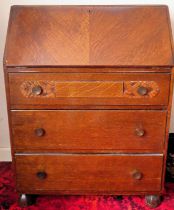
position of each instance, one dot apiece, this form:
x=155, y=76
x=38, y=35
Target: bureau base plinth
x=151, y=201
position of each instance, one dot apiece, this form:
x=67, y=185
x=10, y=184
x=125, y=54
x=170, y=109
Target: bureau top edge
x=114, y=36
x=86, y=69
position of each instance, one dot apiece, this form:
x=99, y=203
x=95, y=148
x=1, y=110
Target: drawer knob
x=39, y=132
x=41, y=175
x=142, y=91
x=137, y=175
x=37, y=90
x=139, y=132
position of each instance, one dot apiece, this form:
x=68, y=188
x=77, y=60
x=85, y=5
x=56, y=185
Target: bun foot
x=152, y=201
x=25, y=200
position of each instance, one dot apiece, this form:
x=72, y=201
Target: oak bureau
x=89, y=91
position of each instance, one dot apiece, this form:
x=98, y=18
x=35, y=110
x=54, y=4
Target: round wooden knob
x=39, y=132
x=137, y=175
x=37, y=90
x=142, y=91
x=41, y=175
x=139, y=132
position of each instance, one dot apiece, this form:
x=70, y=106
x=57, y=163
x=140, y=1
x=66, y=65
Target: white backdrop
x=4, y=14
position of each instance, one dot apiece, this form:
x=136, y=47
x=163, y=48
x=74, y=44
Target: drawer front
x=88, y=130
x=28, y=90
x=88, y=173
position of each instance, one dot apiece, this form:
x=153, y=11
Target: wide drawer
x=41, y=90
x=88, y=173
x=94, y=130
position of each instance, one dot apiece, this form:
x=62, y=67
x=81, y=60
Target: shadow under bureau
x=89, y=92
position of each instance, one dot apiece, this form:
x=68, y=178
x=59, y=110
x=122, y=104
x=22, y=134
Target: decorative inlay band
x=48, y=88
x=131, y=87
x=53, y=89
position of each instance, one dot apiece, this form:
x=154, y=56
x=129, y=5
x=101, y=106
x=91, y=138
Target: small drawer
x=87, y=174
x=53, y=90
x=94, y=130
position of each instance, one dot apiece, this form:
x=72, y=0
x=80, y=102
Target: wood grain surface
x=78, y=89
x=88, y=173
x=95, y=130
x=89, y=36
x=89, y=94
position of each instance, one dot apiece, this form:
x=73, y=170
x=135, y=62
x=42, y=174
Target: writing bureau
x=89, y=92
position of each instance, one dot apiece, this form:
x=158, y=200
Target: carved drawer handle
x=41, y=175
x=139, y=132
x=37, y=90
x=142, y=91
x=39, y=132
x=137, y=175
